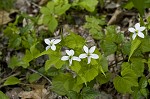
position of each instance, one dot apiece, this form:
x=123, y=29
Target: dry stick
x=40, y=74
x=116, y=17
x=16, y=74
x=148, y=76
x=112, y=65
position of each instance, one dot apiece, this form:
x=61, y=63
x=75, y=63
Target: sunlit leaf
x=89, y=5
x=135, y=44
x=12, y=81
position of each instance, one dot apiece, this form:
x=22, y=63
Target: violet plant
x=76, y=73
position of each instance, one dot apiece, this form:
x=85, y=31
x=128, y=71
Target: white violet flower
x=51, y=43
x=70, y=57
x=89, y=53
x=137, y=31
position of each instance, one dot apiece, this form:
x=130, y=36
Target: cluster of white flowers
x=70, y=53
x=137, y=31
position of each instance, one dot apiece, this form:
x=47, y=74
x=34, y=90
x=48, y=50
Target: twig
x=148, y=76
x=40, y=74
x=115, y=63
x=16, y=74
x=116, y=17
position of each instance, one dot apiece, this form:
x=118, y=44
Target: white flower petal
x=71, y=52
x=53, y=47
x=92, y=49
x=140, y=34
x=64, y=58
x=137, y=26
x=141, y=28
x=48, y=47
x=68, y=52
x=131, y=30
x=76, y=58
x=70, y=62
x=86, y=49
x=89, y=60
x=82, y=55
x=56, y=41
x=95, y=56
x=134, y=36
x=47, y=41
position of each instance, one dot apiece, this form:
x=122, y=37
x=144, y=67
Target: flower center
x=88, y=54
x=136, y=31
x=51, y=43
x=70, y=57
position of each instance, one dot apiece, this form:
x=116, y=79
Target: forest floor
x=115, y=15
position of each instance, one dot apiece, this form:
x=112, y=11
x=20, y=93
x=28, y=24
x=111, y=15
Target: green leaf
x=15, y=62
x=104, y=64
x=129, y=5
x=49, y=9
x=138, y=66
x=74, y=41
x=45, y=11
x=88, y=93
x=6, y=5
x=126, y=48
x=72, y=95
x=128, y=78
x=12, y=81
x=143, y=82
x=46, y=19
x=89, y=5
x=15, y=42
x=134, y=45
x=34, y=51
x=85, y=74
x=93, y=24
x=119, y=38
x=63, y=83
x=145, y=44
x=137, y=94
x=28, y=56
x=108, y=47
x=53, y=23
x=76, y=66
x=34, y=77
x=54, y=61
x=144, y=92
x=88, y=73
x=102, y=79
x=139, y=4
x=3, y=96
x=52, y=71
x=50, y=6
x=60, y=2
x=149, y=64
x=111, y=33
x=59, y=10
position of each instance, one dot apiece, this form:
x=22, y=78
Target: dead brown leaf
x=4, y=17
x=39, y=92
